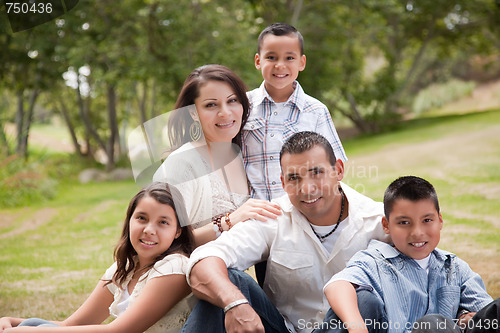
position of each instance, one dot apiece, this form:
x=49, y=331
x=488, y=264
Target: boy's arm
x=326, y=128
x=344, y=302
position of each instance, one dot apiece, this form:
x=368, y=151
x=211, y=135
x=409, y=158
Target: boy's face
x=311, y=183
x=280, y=61
x=414, y=226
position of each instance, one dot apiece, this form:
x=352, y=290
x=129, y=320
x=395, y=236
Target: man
x=324, y=222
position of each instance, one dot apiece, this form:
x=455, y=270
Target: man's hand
x=243, y=319
x=463, y=320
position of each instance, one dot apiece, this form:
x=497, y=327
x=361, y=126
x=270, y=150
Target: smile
x=147, y=242
x=311, y=201
x=226, y=124
x=418, y=244
x=281, y=75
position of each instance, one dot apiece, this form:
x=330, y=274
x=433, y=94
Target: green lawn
x=52, y=254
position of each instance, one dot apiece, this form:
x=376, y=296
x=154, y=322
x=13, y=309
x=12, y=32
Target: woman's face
x=219, y=111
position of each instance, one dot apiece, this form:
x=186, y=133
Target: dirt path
x=38, y=219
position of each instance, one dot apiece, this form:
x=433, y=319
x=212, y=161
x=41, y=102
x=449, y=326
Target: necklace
x=322, y=238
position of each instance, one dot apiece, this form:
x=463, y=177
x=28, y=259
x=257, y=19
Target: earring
x=195, y=131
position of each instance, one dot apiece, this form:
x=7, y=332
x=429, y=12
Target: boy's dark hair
x=184, y=244
x=410, y=188
x=304, y=141
x=280, y=29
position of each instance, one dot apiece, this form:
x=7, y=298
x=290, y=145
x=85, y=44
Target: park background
x=413, y=88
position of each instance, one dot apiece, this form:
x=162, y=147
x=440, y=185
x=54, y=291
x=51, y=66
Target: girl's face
x=219, y=111
x=153, y=228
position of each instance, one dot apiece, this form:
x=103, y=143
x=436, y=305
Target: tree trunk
x=71, y=129
x=19, y=120
x=113, y=126
x=84, y=111
x=141, y=100
x=24, y=122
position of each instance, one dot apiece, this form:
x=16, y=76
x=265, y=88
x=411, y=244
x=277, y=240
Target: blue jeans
x=37, y=322
x=372, y=310
x=486, y=320
x=207, y=317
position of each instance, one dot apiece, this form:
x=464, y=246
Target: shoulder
x=367, y=206
x=256, y=95
x=175, y=263
x=308, y=103
x=110, y=271
x=185, y=163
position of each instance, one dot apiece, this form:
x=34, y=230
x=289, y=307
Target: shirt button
x=272, y=135
x=274, y=183
x=252, y=126
x=275, y=113
x=271, y=158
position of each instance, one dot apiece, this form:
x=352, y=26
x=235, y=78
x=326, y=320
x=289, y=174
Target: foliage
x=437, y=95
x=23, y=183
x=106, y=67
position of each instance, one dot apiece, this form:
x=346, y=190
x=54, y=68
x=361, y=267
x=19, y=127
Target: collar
x=298, y=97
x=388, y=251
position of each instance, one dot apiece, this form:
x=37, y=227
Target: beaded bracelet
x=228, y=221
x=218, y=225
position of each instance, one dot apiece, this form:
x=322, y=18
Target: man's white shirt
x=298, y=265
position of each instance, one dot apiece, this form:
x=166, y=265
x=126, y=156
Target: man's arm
x=210, y=282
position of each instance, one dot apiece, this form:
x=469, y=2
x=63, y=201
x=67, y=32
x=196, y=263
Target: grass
x=53, y=253
x=460, y=155
x=55, y=265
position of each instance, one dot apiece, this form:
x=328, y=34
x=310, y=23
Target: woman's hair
x=125, y=252
x=180, y=120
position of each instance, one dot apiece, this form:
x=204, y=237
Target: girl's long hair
x=124, y=251
x=180, y=122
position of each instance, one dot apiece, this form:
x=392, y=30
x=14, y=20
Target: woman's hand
x=4, y=323
x=257, y=209
x=9, y=322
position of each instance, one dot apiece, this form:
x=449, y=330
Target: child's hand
x=464, y=319
x=255, y=209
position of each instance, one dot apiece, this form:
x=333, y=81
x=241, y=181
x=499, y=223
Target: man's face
x=311, y=183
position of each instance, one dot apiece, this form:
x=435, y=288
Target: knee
x=239, y=278
x=36, y=322
x=367, y=299
x=433, y=323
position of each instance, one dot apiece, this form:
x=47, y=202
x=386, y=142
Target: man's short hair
x=409, y=188
x=304, y=141
x=280, y=29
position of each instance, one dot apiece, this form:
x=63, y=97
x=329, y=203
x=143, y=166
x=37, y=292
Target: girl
x=146, y=288
x=211, y=110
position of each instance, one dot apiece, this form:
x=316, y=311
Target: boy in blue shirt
x=419, y=287
x=280, y=108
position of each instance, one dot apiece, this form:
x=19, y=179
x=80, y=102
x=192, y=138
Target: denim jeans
x=37, y=322
x=207, y=317
x=372, y=310
x=487, y=320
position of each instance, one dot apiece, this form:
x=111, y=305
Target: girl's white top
x=175, y=318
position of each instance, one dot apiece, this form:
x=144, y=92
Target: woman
x=206, y=165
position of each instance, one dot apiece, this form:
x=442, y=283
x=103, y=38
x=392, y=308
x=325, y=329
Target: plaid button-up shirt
x=269, y=126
